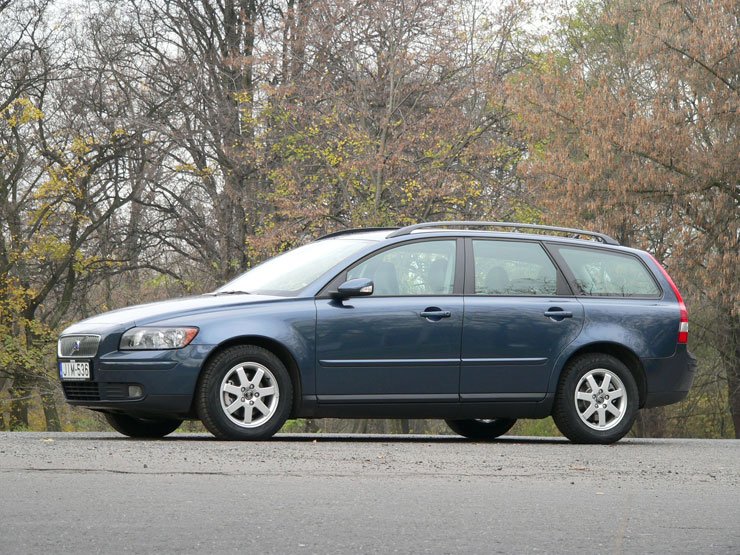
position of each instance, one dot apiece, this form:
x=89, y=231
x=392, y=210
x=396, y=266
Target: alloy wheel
x=600, y=399
x=249, y=394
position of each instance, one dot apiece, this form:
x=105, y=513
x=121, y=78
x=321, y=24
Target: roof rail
x=601, y=237
x=355, y=230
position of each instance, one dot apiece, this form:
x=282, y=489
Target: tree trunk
x=733, y=378
x=51, y=414
x=3, y=403
x=19, y=397
x=650, y=423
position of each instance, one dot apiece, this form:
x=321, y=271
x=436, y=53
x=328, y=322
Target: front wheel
x=244, y=393
x=597, y=400
x=481, y=428
x=142, y=427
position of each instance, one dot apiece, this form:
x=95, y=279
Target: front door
x=402, y=343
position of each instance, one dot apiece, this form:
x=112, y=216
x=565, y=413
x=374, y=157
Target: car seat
x=385, y=279
x=497, y=281
x=436, y=277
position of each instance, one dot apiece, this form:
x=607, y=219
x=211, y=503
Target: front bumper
x=163, y=382
x=668, y=380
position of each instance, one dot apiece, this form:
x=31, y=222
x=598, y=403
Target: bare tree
x=398, y=114
x=61, y=189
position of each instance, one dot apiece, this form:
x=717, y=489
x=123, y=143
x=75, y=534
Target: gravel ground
x=103, y=493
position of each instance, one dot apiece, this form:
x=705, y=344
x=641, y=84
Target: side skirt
x=315, y=408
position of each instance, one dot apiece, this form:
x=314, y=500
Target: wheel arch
x=621, y=353
x=269, y=344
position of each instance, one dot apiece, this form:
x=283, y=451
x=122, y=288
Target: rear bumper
x=668, y=380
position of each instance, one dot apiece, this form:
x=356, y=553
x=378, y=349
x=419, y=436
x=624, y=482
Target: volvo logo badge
x=76, y=346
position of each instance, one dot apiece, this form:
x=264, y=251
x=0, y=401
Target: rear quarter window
x=601, y=273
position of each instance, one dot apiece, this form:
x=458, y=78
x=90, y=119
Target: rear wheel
x=142, y=427
x=597, y=400
x=481, y=428
x=244, y=393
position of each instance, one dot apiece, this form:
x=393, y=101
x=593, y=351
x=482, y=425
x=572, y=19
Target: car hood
x=144, y=314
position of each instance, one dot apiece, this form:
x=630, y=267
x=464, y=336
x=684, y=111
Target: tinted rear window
x=599, y=272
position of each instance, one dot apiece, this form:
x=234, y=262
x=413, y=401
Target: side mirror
x=359, y=287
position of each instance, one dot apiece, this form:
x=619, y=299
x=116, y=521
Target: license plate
x=73, y=370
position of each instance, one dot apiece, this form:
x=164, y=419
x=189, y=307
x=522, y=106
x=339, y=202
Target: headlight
x=157, y=338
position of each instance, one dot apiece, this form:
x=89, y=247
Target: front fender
x=290, y=323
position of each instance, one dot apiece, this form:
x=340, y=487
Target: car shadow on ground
x=338, y=438
x=346, y=438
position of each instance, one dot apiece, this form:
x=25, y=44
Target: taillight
x=683, y=327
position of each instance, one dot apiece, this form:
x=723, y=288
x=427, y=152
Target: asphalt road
x=102, y=493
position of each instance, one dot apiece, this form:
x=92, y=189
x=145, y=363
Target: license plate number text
x=73, y=370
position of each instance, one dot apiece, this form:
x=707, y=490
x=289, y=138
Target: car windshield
x=290, y=272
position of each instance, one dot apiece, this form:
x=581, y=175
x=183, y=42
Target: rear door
x=519, y=316
x=402, y=343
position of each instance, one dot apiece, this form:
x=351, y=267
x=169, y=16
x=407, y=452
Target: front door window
x=418, y=269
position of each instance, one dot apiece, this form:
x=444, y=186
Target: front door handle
x=435, y=313
x=558, y=313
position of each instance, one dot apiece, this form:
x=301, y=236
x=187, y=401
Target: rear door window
x=602, y=273
x=513, y=268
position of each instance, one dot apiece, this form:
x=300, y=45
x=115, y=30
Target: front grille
x=83, y=346
x=81, y=391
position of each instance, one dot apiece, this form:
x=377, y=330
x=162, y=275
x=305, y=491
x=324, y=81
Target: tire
x=245, y=393
x=588, y=411
x=141, y=427
x=481, y=429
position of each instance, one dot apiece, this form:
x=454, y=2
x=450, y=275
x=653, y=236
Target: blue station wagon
x=477, y=323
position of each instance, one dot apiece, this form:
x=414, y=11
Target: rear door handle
x=435, y=313
x=558, y=313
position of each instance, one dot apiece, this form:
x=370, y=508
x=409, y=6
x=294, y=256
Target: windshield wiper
x=232, y=292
